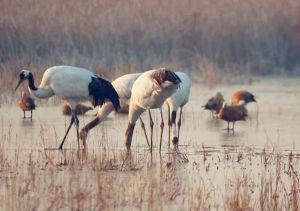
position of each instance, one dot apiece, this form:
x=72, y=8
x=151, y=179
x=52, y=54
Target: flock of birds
x=131, y=93
x=236, y=111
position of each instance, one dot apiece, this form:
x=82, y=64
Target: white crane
x=178, y=100
x=123, y=87
x=150, y=91
x=74, y=85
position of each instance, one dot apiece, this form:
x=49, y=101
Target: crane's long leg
x=227, y=126
x=151, y=127
x=169, y=123
x=173, y=127
x=162, y=124
x=62, y=143
x=179, y=122
x=143, y=127
x=76, y=121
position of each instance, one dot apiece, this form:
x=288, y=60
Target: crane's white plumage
x=148, y=94
x=74, y=85
x=176, y=101
x=149, y=91
x=123, y=87
x=69, y=83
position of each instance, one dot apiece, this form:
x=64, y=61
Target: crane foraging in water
x=175, y=102
x=123, y=87
x=214, y=104
x=232, y=113
x=242, y=97
x=26, y=103
x=74, y=85
x=150, y=91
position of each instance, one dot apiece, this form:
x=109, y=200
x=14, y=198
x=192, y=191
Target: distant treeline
x=114, y=37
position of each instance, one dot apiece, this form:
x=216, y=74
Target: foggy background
x=207, y=38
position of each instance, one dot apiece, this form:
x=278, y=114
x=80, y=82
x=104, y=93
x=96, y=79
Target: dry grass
x=208, y=38
x=211, y=40
x=112, y=38
x=106, y=178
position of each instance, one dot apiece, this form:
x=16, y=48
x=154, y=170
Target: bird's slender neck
x=128, y=135
x=31, y=82
x=105, y=110
x=38, y=92
x=134, y=114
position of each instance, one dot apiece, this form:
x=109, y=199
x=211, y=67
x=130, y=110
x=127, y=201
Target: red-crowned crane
x=26, y=103
x=232, y=113
x=214, y=104
x=150, y=91
x=123, y=87
x=177, y=101
x=74, y=85
x=242, y=97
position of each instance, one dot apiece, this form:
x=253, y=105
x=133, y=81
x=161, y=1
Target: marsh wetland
x=256, y=167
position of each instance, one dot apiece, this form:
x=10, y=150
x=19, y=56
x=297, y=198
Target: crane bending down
x=178, y=100
x=150, y=91
x=74, y=85
x=123, y=87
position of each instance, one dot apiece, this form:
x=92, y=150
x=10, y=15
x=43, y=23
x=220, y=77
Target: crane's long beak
x=19, y=83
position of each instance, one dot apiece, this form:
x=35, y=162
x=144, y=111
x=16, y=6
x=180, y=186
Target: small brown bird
x=26, y=103
x=242, y=97
x=80, y=109
x=232, y=113
x=214, y=104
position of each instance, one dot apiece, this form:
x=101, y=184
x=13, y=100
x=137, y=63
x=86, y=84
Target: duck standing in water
x=26, y=103
x=232, y=113
x=214, y=104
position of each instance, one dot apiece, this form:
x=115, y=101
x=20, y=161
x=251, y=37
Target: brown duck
x=232, y=113
x=80, y=109
x=214, y=104
x=242, y=97
x=26, y=103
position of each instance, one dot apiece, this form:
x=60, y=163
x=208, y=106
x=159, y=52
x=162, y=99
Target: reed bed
x=208, y=38
x=231, y=178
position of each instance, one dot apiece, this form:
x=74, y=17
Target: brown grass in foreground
x=107, y=178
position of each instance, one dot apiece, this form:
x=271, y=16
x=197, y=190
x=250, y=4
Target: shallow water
x=212, y=159
x=274, y=121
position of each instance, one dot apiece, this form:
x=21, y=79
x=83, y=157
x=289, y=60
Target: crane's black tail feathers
x=100, y=90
